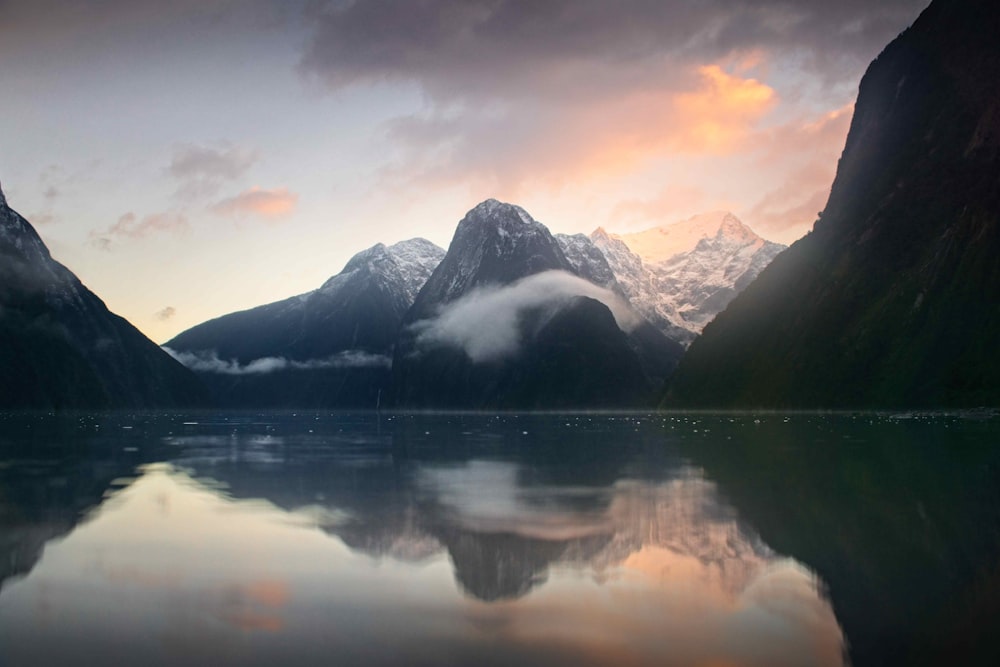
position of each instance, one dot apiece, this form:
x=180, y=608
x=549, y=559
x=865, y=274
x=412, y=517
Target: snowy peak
x=659, y=244
x=680, y=276
x=416, y=260
x=405, y=265
x=587, y=260
x=500, y=228
x=494, y=244
x=491, y=209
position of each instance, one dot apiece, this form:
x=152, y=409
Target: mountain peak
x=496, y=243
x=600, y=234
x=496, y=211
x=408, y=263
x=891, y=300
x=3, y=200
x=659, y=244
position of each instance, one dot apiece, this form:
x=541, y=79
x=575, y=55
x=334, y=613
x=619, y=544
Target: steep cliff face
x=894, y=298
x=60, y=347
x=508, y=320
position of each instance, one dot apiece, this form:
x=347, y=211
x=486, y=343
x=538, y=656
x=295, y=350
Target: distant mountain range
x=330, y=347
x=60, y=347
x=681, y=275
x=511, y=316
x=893, y=300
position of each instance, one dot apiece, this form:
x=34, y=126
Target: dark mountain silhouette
x=894, y=298
x=60, y=347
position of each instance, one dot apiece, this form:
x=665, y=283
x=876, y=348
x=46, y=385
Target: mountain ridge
x=60, y=346
x=893, y=300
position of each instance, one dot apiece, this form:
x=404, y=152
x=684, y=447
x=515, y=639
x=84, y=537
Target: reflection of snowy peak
x=685, y=519
x=680, y=276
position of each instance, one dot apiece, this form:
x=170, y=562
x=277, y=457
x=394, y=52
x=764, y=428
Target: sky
x=197, y=157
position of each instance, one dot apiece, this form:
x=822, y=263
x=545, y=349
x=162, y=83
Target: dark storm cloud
x=462, y=47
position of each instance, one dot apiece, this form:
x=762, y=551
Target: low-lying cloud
x=486, y=322
x=208, y=361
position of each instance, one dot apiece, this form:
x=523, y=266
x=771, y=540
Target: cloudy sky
x=191, y=158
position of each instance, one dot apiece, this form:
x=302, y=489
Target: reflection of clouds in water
x=486, y=496
x=669, y=573
x=675, y=530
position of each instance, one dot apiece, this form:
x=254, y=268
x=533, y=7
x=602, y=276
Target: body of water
x=350, y=539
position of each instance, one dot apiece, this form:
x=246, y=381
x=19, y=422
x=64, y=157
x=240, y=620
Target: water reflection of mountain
x=409, y=494
x=900, y=517
x=45, y=488
x=260, y=531
x=505, y=524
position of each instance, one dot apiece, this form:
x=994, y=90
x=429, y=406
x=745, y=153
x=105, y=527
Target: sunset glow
x=212, y=136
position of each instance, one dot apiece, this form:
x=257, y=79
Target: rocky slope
x=329, y=347
x=680, y=276
x=507, y=321
x=894, y=298
x=60, y=347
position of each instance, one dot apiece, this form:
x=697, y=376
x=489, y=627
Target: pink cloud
x=259, y=202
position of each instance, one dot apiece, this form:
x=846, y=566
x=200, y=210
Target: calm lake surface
x=359, y=539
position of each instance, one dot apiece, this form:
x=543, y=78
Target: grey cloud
x=208, y=361
x=95, y=26
x=165, y=314
x=456, y=47
x=486, y=322
x=201, y=171
x=130, y=226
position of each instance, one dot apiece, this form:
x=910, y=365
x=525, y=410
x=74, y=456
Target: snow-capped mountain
x=508, y=320
x=494, y=244
x=329, y=347
x=60, y=347
x=588, y=261
x=892, y=299
x=680, y=276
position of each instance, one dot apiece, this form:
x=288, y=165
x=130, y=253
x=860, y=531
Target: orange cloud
x=719, y=116
x=259, y=202
x=501, y=151
x=673, y=201
x=802, y=155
